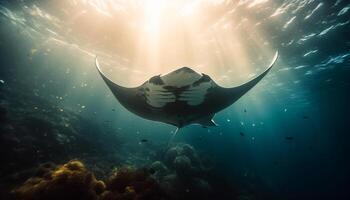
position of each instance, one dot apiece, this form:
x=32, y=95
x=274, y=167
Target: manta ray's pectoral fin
x=128, y=97
x=119, y=92
x=236, y=92
x=115, y=88
x=207, y=121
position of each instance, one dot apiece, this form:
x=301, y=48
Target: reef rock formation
x=131, y=183
x=181, y=173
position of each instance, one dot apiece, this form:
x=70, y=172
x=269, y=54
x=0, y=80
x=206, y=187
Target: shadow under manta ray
x=181, y=97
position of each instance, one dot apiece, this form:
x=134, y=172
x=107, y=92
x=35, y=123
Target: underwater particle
x=228, y=120
x=2, y=81
x=82, y=107
x=261, y=123
x=289, y=138
x=245, y=110
x=285, y=110
x=61, y=110
x=181, y=97
x=33, y=51
x=253, y=124
x=241, y=133
x=253, y=138
x=113, y=109
x=305, y=117
x=242, y=123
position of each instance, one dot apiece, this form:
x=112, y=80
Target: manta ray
x=181, y=97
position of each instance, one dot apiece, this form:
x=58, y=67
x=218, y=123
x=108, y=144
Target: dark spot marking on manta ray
x=205, y=78
x=156, y=80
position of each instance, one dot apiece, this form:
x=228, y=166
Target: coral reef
x=34, y=131
x=69, y=181
x=131, y=183
x=73, y=181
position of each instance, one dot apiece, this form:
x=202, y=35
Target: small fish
x=289, y=138
x=144, y=140
x=241, y=133
x=2, y=81
x=305, y=117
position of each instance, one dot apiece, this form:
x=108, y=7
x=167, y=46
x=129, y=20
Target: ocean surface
x=286, y=139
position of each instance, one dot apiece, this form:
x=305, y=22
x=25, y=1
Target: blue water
x=305, y=97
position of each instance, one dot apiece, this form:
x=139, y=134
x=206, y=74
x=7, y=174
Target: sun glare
x=210, y=36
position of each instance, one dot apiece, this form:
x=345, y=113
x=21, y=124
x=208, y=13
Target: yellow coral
x=69, y=181
x=72, y=181
x=129, y=189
